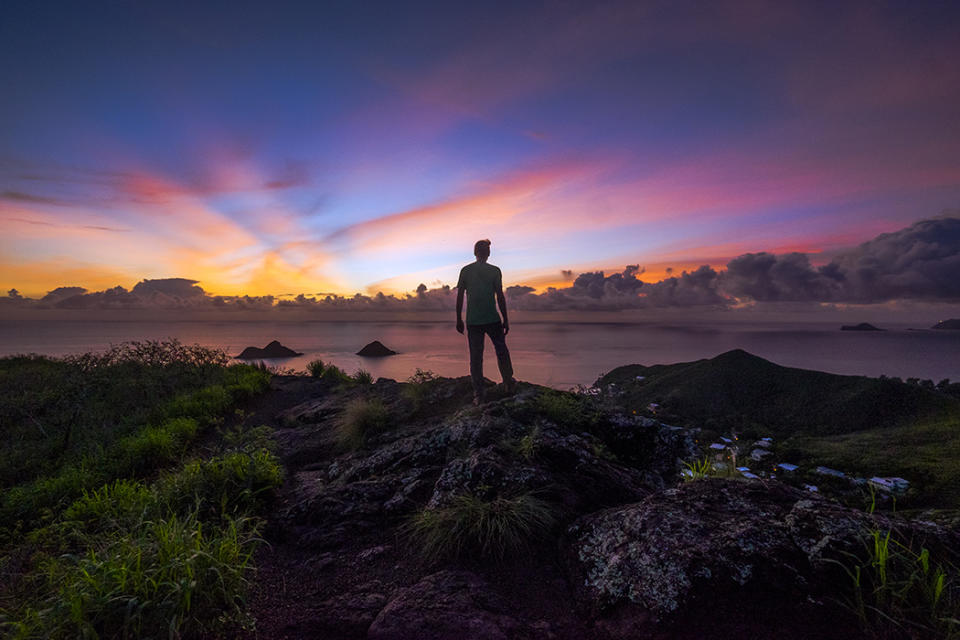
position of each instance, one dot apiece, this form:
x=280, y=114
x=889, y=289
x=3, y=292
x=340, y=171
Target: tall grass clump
x=696, y=470
x=336, y=376
x=362, y=376
x=477, y=527
x=567, y=410
x=227, y=485
x=315, y=368
x=167, y=578
x=362, y=419
x=899, y=592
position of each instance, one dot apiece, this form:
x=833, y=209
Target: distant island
x=863, y=326
x=952, y=324
x=272, y=350
x=376, y=349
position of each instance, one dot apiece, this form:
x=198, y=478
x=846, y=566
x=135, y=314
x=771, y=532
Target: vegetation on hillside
x=111, y=525
x=864, y=426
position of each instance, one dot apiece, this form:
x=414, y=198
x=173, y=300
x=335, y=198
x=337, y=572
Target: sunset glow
x=318, y=150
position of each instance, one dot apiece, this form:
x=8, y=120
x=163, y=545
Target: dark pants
x=475, y=333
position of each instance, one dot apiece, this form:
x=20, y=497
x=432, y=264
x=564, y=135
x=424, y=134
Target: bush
x=335, y=375
x=362, y=419
x=362, y=376
x=315, y=367
x=473, y=526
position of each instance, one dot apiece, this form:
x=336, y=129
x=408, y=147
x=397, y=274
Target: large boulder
x=763, y=550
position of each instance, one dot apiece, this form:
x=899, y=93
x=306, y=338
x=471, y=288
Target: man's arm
x=460, y=309
x=502, y=303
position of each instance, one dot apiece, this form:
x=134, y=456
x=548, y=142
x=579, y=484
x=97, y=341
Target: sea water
x=560, y=354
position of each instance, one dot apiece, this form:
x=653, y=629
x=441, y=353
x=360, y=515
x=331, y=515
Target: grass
x=315, y=368
x=119, y=531
x=362, y=419
x=482, y=528
x=696, y=470
x=899, y=592
x=570, y=411
x=362, y=376
x=526, y=446
x=417, y=389
x=926, y=453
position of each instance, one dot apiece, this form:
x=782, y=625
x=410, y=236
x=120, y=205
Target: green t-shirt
x=481, y=281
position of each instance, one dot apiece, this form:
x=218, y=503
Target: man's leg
x=503, y=355
x=475, y=339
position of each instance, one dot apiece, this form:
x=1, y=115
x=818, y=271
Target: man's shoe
x=510, y=385
x=477, y=401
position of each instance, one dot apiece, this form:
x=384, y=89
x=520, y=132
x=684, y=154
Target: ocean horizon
x=556, y=354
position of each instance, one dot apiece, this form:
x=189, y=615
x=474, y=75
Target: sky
x=283, y=148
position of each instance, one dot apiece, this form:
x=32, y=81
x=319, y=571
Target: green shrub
x=116, y=506
x=474, y=526
x=235, y=483
x=362, y=376
x=362, y=419
x=566, y=410
x=335, y=375
x=315, y=367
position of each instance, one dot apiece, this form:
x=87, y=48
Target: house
x=827, y=471
x=811, y=487
x=759, y=454
x=787, y=467
x=766, y=444
x=742, y=469
x=727, y=440
x=716, y=446
x=749, y=476
x=653, y=407
x=890, y=485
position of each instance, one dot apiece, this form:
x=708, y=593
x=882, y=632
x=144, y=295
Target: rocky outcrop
x=762, y=547
x=376, y=350
x=272, y=350
x=626, y=553
x=447, y=605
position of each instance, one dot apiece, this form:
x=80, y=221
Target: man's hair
x=481, y=247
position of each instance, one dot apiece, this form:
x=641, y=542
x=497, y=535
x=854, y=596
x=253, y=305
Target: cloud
x=173, y=287
x=918, y=263
x=61, y=293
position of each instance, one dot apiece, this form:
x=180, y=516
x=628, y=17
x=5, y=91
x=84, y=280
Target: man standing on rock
x=482, y=282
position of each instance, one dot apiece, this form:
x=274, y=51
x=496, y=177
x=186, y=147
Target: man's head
x=481, y=249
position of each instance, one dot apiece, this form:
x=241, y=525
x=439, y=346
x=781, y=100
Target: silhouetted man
x=482, y=283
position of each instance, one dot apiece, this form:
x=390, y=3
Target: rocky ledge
x=612, y=545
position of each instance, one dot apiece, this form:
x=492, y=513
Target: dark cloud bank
x=920, y=262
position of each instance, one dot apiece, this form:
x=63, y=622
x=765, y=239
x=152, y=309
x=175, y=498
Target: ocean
x=560, y=354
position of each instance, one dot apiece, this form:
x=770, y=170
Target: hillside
x=742, y=392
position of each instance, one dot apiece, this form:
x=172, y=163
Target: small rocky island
x=863, y=326
x=952, y=324
x=376, y=349
x=272, y=350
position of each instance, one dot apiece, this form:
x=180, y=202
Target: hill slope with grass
x=397, y=510
x=742, y=392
